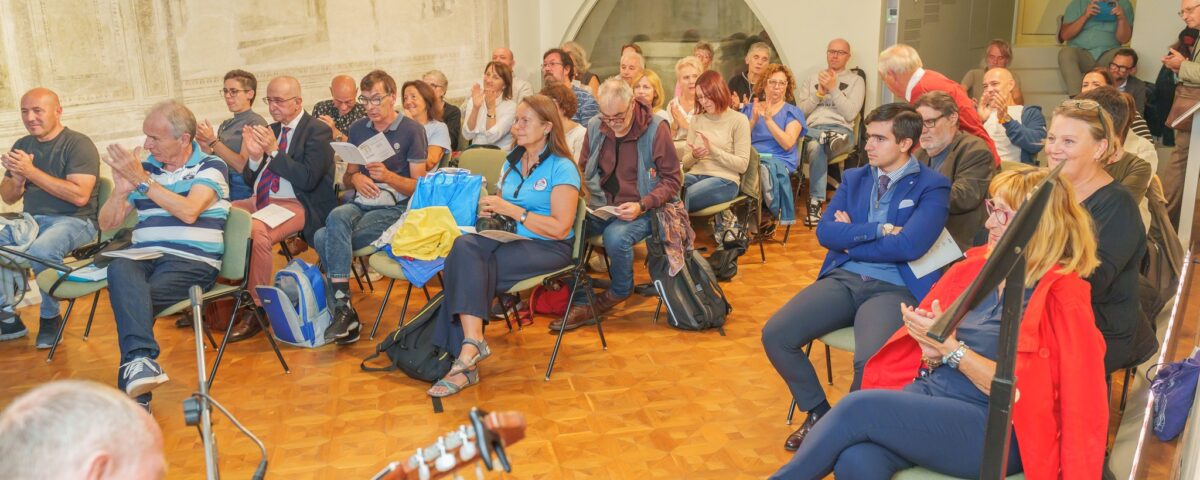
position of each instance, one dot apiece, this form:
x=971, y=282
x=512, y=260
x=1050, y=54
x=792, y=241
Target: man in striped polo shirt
x=181, y=199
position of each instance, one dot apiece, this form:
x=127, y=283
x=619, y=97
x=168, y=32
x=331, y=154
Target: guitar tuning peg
x=468, y=450
x=422, y=467
x=445, y=462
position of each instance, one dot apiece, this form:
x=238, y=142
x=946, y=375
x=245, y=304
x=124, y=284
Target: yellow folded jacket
x=427, y=233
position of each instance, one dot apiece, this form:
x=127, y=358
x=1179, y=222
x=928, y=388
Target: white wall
x=537, y=25
x=1156, y=26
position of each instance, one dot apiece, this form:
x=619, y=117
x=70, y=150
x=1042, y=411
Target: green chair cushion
x=841, y=339
x=68, y=289
x=918, y=473
x=531, y=282
x=387, y=267
x=718, y=208
x=364, y=251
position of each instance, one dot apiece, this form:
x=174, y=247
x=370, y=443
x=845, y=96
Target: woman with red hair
x=717, y=151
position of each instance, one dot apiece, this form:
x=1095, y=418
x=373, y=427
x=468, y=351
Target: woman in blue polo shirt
x=540, y=189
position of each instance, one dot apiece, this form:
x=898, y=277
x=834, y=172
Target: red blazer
x=1061, y=413
x=968, y=117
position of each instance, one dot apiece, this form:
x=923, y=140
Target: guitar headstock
x=487, y=435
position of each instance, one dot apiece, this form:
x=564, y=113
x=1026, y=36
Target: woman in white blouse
x=420, y=104
x=564, y=98
x=683, y=107
x=490, y=111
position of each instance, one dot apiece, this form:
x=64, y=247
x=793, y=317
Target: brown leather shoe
x=295, y=246
x=797, y=437
x=245, y=326
x=581, y=315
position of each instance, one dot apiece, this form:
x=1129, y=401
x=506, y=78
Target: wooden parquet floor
x=658, y=403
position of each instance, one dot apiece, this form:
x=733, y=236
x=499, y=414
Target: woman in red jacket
x=924, y=403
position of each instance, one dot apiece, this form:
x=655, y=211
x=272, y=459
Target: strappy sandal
x=452, y=389
x=483, y=352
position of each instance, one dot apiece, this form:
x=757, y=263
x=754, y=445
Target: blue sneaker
x=141, y=375
x=48, y=331
x=12, y=328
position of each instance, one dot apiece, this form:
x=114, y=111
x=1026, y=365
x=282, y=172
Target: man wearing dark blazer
x=290, y=165
x=1123, y=69
x=960, y=157
x=882, y=217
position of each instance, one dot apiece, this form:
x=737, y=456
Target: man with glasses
x=290, y=165
x=830, y=99
x=962, y=158
x=623, y=138
x=1188, y=69
x=520, y=87
x=381, y=192
x=342, y=110
x=1124, y=69
x=239, y=92
x=1093, y=31
x=558, y=67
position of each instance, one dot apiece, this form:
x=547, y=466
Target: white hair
x=615, y=88
x=636, y=56
x=177, y=115
x=689, y=61
x=899, y=59
x=53, y=430
x=758, y=46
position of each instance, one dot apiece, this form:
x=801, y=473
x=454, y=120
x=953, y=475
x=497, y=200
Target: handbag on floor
x=410, y=348
x=1174, y=389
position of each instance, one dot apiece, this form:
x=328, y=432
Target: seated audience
x=520, y=87
x=451, y=115
x=574, y=133
x=1124, y=74
x=647, y=87
x=1019, y=131
x=179, y=193
x=584, y=75
x=490, y=108
x=631, y=65
x=683, y=107
x=53, y=170
x=866, y=275
x=703, y=51
x=342, y=110
x=830, y=99
x=1141, y=146
x=290, y=165
x=924, y=403
x=998, y=54
x=776, y=122
x=557, y=67
x=78, y=429
x=1084, y=136
x=381, y=194
x=718, y=146
x=611, y=174
x=545, y=215
x=901, y=70
x=1131, y=171
x=419, y=105
x=240, y=91
x=1093, y=31
x=960, y=157
x=743, y=83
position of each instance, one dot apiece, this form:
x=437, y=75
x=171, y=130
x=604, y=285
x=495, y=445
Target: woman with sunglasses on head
x=924, y=403
x=1083, y=137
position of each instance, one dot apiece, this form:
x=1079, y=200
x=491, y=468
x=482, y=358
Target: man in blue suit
x=882, y=217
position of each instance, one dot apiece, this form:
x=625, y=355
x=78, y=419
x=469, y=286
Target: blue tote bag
x=457, y=190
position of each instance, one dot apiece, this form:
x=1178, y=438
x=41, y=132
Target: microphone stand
x=1005, y=263
x=196, y=409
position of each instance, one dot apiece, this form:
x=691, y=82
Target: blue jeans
x=704, y=191
x=57, y=236
x=818, y=166
x=876, y=433
x=349, y=228
x=139, y=290
x=619, y=238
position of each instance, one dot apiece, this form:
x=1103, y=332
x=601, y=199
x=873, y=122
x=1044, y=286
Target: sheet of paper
x=348, y=153
x=273, y=215
x=90, y=273
x=501, y=236
x=943, y=251
x=605, y=212
x=377, y=149
x=144, y=253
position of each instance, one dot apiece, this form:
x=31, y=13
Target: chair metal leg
x=657, y=310
x=1125, y=390
x=404, y=306
x=828, y=365
x=61, y=327
x=599, y=318
x=87, y=330
x=791, y=411
x=224, y=341
x=507, y=317
x=366, y=272
x=808, y=348
x=357, y=275
x=379, y=316
x=762, y=250
x=787, y=230
x=591, y=305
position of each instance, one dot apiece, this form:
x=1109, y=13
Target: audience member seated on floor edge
x=381, y=192
x=615, y=179
x=490, y=109
x=540, y=189
x=1082, y=135
x=883, y=216
x=180, y=195
x=830, y=99
x=79, y=429
x=960, y=157
x=1019, y=131
x=924, y=403
x=53, y=170
x=718, y=146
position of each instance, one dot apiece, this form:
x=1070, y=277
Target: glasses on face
x=777, y=83
x=1001, y=214
x=230, y=92
x=372, y=101
x=614, y=119
x=1120, y=68
x=932, y=122
x=552, y=64
x=837, y=53
x=276, y=100
x=1187, y=10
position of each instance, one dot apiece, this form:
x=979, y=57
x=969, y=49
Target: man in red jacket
x=901, y=69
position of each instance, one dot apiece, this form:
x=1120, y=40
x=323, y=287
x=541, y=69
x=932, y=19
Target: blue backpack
x=298, y=305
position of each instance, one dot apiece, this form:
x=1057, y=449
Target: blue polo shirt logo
x=540, y=185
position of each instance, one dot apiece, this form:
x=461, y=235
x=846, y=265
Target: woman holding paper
x=540, y=189
x=490, y=110
x=924, y=402
x=718, y=146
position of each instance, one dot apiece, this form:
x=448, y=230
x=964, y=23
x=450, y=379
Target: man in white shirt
x=520, y=88
x=1019, y=131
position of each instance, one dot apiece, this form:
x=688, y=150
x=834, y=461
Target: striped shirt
x=156, y=228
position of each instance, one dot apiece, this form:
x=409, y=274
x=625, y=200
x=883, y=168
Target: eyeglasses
x=372, y=101
x=777, y=83
x=1091, y=105
x=1001, y=214
x=839, y=53
x=930, y=123
x=1187, y=10
x=1120, y=68
x=618, y=118
x=230, y=92
x=276, y=101
x=551, y=64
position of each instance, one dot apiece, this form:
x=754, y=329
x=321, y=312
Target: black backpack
x=693, y=298
x=410, y=348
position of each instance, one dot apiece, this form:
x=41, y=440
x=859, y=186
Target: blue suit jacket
x=925, y=198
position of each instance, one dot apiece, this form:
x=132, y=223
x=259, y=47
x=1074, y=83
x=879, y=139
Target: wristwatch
x=524, y=216
x=888, y=228
x=951, y=359
x=144, y=187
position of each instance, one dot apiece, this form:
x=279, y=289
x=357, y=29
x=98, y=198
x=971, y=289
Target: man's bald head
x=283, y=98
x=837, y=54
x=998, y=81
x=505, y=56
x=344, y=92
x=41, y=113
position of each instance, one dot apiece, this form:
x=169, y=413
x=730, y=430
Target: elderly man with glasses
x=381, y=192
x=342, y=110
x=961, y=157
x=1188, y=69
